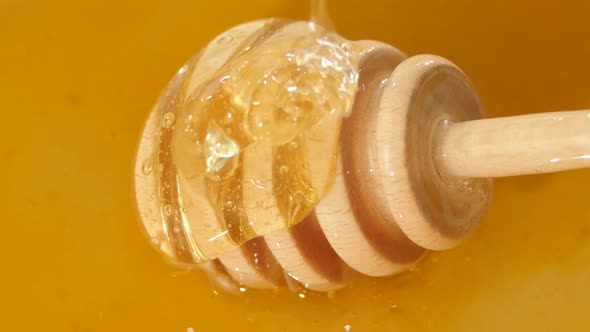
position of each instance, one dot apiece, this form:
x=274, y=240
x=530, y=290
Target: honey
x=247, y=138
x=75, y=261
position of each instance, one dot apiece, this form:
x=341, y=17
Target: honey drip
x=319, y=14
x=247, y=136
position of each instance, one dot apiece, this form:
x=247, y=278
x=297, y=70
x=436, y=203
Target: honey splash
x=75, y=93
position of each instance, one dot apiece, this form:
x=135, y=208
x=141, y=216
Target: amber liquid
x=78, y=80
x=244, y=139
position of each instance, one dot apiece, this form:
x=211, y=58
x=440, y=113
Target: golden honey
x=80, y=77
x=245, y=137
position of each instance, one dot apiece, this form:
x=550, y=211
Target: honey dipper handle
x=517, y=145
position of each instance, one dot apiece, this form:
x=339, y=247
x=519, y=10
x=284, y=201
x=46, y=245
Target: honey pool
x=77, y=81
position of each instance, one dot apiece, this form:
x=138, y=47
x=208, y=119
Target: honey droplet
x=168, y=120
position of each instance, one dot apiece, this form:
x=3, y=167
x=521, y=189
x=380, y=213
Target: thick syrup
x=247, y=138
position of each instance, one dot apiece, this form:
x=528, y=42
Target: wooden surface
x=520, y=145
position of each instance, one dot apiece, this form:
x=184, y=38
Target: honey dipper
x=414, y=173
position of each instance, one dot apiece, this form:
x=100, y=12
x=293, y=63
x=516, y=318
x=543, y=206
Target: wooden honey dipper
x=414, y=173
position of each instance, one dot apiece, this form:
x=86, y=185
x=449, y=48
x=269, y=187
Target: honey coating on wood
x=79, y=78
x=242, y=128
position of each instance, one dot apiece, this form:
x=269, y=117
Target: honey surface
x=79, y=77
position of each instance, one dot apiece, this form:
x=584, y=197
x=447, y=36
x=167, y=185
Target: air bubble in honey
x=168, y=210
x=168, y=120
x=146, y=166
x=220, y=153
x=284, y=169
